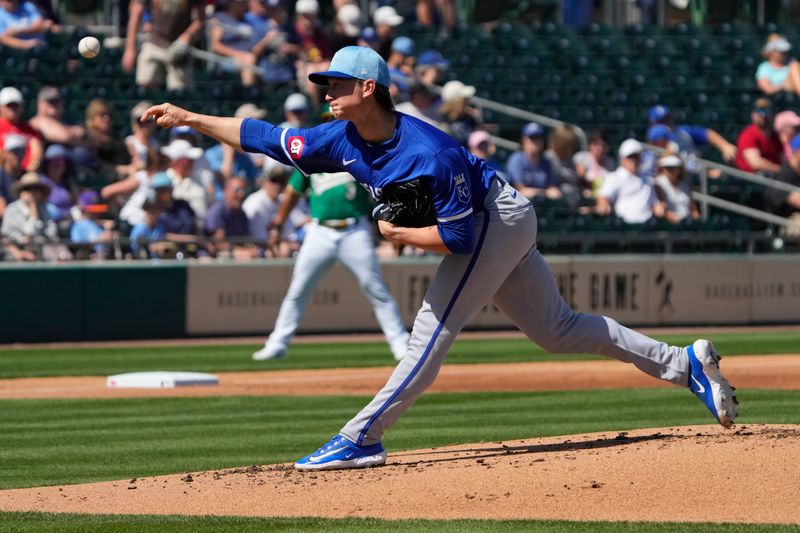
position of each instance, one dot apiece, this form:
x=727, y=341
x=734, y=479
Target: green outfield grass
x=68, y=523
x=225, y=358
x=52, y=442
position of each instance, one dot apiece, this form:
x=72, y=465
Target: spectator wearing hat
x=141, y=139
x=147, y=237
x=625, y=193
x=787, y=125
x=57, y=175
x=528, y=170
x=401, y=67
x=385, y=20
x=430, y=67
x=22, y=26
x=10, y=168
x=421, y=104
x=480, y=145
x=461, y=118
x=369, y=38
x=50, y=122
x=277, y=47
x=226, y=219
x=658, y=135
x=786, y=203
x=131, y=192
x=87, y=230
x=261, y=207
x=760, y=148
x=177, y=216
x=690, y=138
x=182, y=157
x=11, y=121
x=346, y=27
x=777, y=72
x=429, y=10
x=295, y=111
x=164, y=56
x=673, y=190
x=315, y=49
x=26, y=220
x=595, y=163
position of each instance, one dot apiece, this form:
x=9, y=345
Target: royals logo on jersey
x=461, y=189
x=296, y=145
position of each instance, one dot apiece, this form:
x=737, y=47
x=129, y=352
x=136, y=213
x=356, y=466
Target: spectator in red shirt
x=759, y=148
x=11, y=122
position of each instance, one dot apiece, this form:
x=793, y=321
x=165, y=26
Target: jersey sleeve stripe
x=459, y=216
x=288, y=156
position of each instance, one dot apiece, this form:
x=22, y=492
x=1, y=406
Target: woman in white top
x=673, y=190
x=141, y=139
x=778, y=72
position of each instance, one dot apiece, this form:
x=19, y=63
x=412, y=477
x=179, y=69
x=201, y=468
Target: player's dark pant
x=505, y=268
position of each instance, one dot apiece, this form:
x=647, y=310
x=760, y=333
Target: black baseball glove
x=407, y=204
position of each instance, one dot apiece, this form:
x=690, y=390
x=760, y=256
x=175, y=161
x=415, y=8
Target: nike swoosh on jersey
x=700, y=388
x=347, y=162
x=318, y=458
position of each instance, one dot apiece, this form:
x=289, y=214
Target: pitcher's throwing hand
x=166, y=115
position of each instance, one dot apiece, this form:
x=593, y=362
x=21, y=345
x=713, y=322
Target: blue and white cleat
x=340, y=453
x=707, y=382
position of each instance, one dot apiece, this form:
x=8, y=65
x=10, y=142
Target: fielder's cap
x=306, y=7
x=657, y=113
x=354, y=62
x=787, y=119
x=250, y=111
x=630, y=147
x=670, y=161
x=658, y=132
x=763, y=106
x=432, y=58
x=161, y=181
x=56, y=151
x=49, y=94
x=477, y=137
x=794, y=144
x=349, y=16
x=14, y=143
x=296, y=102
x=533, y=129
x=10, y=95
x=388, y=16
x=403, y=45
x=29, y=181
x=455, y=89
x=181, y=149
x=779, y=44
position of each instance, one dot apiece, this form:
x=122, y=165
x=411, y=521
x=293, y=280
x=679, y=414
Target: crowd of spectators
x=160, y=198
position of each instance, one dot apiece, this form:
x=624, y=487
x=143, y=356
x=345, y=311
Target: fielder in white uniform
x=339, y=231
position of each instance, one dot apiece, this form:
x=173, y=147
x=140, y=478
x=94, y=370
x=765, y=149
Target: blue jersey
x=458, y=180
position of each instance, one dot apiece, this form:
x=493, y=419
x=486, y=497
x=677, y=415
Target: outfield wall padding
x=104, y=301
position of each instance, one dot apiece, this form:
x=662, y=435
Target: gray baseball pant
x=506, y=268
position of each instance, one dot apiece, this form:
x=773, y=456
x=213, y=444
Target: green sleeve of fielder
x=299, y=182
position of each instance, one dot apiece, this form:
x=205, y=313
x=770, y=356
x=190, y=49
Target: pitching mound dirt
x=702, y=473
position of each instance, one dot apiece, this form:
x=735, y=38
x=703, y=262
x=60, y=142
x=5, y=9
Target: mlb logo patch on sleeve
x=296, y=145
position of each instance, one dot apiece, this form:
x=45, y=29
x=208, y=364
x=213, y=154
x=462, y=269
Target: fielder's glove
x=407, y=204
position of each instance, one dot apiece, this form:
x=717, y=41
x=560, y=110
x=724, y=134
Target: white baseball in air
x=89, y=47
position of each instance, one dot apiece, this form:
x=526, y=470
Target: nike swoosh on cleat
x=700, y=387
x=345, y=162
x=325, y=455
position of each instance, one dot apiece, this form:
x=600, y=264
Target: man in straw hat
x=26, y=219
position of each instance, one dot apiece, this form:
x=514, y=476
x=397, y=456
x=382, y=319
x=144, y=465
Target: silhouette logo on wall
x=665, y=286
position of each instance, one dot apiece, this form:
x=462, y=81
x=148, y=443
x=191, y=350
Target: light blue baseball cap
x=354, y=62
